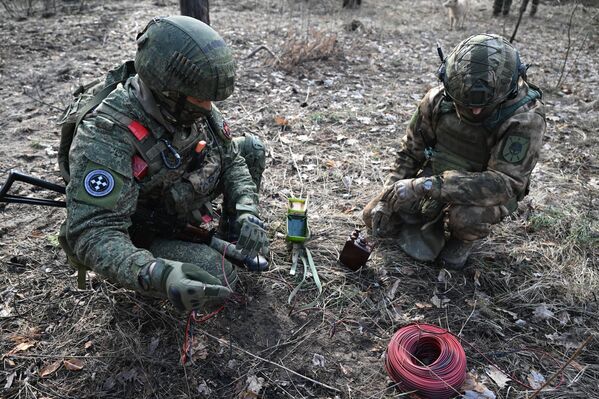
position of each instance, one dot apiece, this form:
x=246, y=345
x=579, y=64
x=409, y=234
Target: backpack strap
x=150, y=150
x=504, y=114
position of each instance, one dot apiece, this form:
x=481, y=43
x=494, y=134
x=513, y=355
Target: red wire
x=192, y=318
x=426, y=359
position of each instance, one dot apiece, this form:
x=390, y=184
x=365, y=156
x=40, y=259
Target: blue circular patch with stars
x=99, y=183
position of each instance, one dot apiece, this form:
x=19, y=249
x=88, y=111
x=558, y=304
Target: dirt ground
x=331, y=102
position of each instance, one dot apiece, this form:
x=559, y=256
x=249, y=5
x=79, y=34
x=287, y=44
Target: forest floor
x=331, y=104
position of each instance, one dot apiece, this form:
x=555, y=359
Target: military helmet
x=183, y=55
x=482, y=71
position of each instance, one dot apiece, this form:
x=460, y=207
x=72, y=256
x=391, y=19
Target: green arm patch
x=100, y=186
x=515, y=148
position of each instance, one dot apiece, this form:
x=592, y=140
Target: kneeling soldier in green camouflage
x=467, y=155
x=150, y=154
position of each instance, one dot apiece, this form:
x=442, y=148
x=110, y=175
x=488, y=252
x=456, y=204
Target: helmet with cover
x=179, y=57
x=482, y=71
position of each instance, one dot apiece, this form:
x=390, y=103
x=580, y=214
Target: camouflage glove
x=187, y=286
x=253, y=239
x=407, y=190
x=381, y=220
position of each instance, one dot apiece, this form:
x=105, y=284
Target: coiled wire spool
x=426, y=359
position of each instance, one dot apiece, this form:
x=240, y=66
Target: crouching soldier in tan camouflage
x=467, y=155
x=149, y=159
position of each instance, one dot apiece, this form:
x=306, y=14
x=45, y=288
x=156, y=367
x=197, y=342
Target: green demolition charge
x=297, y=220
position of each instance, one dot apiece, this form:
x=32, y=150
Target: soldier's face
x=474, y=114
x=205, y=104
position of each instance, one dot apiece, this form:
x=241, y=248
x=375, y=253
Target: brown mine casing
x=356, y=251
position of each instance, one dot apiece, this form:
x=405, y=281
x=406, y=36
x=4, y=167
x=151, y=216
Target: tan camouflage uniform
x=484, y=172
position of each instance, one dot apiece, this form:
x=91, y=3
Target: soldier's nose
x=476, y=111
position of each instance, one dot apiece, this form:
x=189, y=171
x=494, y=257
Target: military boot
x=455, y=253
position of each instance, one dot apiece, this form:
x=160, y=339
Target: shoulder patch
x=98, y=183
x=100, y=186
x=515, y=148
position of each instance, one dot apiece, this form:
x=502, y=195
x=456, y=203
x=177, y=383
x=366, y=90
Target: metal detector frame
x=14, y=176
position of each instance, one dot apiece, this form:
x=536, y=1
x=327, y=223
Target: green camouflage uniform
x=484, y=170
x=98, y=230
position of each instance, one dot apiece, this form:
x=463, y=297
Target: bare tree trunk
x=198, y=9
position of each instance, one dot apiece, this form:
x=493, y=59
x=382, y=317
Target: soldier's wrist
x=152, y=277
x=429, y=186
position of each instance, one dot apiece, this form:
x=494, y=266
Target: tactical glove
x=253, y=239
x=187, y=286
x=407, y=190
x=381, y=220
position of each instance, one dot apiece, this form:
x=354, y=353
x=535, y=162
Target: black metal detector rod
x=14, y=176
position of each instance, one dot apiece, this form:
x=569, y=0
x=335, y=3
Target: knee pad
x=470, y=223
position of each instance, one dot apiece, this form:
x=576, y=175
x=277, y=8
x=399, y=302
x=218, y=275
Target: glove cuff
x=429, y=187
x=153, y=277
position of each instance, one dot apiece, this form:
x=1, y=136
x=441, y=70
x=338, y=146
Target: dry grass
x=299, y=49
x=529, y=289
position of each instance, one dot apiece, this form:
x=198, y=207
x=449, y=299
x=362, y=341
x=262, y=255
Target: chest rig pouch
x=459, y=145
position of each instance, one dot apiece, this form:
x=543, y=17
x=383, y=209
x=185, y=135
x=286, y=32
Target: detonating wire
x=426, y=359
x=192, y=318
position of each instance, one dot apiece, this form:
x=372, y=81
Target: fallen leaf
x=330, y=163
x=477, y=278
x=542, y=312
x=36, y=234
x=10, y=379
x=204, y=389
x=254, y=386
x=304, y=138
x=73, y=364
x=88, y=344
x=318, y=360
x=438, y=302
x=50, y=368
x=472, y=384
x=391, y=293
x=444, y=276
x=281, y=121
x=536, y=379
x=498, y=377
x=23, y=346
x=486, y=394
x=421, y=305
x=199, y=350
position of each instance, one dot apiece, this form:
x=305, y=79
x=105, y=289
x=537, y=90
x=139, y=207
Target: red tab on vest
x=139, y=131
x=140, y=167
x=226, y=130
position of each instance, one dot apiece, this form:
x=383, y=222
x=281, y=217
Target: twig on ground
x=467, y=319
x=262, y=47
x=558, y=372
x=299, y=172
x=222, y=341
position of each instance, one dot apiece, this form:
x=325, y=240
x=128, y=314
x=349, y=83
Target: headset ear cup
x=441, y=72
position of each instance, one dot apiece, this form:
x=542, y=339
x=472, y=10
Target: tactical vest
x=463, y=146
x=156, y=155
